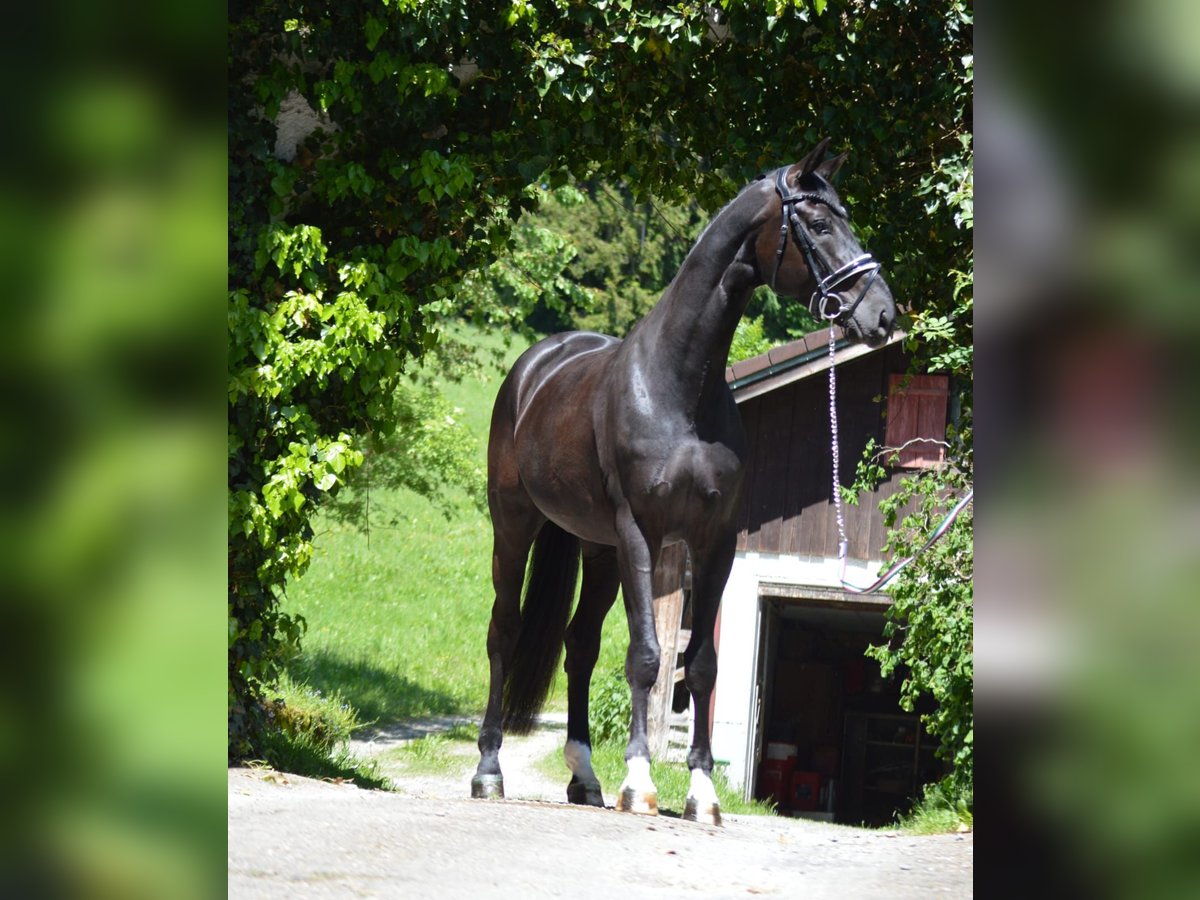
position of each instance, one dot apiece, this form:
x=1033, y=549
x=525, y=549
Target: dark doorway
x=833, y=741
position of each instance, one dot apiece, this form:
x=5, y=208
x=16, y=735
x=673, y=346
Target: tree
x=626, y=251
x=437, y=124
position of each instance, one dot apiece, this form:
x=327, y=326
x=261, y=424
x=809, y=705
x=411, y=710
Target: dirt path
x=296, y=837
x=518, y=758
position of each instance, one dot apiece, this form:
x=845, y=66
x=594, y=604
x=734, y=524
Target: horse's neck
x=689, y=331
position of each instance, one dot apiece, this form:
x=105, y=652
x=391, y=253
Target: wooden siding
x=787, y=506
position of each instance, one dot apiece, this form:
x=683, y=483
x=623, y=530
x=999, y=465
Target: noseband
x=825, y=301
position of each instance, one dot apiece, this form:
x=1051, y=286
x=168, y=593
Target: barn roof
x=791, y=362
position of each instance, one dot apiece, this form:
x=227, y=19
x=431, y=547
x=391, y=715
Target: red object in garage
x=776, y=773
x=805, y=791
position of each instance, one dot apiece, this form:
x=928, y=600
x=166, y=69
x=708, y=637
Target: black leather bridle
x=824, y=302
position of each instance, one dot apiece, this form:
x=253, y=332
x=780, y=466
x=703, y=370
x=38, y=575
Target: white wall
x=733, y=717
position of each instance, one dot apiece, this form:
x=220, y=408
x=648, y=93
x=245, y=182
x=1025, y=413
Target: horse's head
x=815, y=253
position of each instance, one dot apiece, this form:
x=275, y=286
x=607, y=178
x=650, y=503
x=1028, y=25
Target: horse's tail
x=544, y=613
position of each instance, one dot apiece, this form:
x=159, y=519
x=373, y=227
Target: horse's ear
x=810, y=162
x=829, y=168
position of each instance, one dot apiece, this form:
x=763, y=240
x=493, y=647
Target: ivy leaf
x=374, y=30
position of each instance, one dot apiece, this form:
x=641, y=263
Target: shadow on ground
x=379, y=695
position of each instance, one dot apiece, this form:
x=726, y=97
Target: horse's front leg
x=710, y=572
x=636, y=560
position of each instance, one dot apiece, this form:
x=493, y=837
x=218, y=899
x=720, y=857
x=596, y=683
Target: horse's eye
x=821, y=226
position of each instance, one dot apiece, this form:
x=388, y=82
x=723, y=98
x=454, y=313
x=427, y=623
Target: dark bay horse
x=610, y=450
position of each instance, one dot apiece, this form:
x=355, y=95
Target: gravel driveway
x=297, y=837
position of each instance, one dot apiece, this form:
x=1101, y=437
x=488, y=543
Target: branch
x=887, y=451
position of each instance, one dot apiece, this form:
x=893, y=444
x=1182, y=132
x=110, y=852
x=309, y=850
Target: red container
x=775, y=778
x=804, y=792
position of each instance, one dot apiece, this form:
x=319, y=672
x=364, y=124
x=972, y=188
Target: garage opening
x=831, y=741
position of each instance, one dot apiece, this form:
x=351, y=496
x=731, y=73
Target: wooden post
x=668, y=611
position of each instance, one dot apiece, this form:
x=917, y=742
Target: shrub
x=610, y=708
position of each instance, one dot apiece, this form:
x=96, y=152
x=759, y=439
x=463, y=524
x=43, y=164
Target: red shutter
x=917, y=417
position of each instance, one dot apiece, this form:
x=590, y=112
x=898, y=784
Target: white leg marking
x=702, y=790
x=702, y=804
x=638, y=777
x=638, y=793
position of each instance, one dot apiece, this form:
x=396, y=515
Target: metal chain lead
x=833, y=430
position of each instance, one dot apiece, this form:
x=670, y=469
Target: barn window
x=916, y=418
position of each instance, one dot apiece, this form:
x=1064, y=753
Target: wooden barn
x=799, y=713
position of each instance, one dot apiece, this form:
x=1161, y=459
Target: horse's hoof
x=487, y=787
x=707, y=814
x=640, y=802
x=584, y=794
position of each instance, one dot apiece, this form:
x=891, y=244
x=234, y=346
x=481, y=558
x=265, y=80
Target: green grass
x=939, y=812
x=671, y=779
x=312, y=737
x=397, y=616
x=450, y=752
x=398, y=625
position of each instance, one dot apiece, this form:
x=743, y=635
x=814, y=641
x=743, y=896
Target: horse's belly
x=562, y=477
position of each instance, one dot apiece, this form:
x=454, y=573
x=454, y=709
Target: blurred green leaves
x=112, y=223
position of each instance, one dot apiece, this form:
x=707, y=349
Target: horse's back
x=537, y=367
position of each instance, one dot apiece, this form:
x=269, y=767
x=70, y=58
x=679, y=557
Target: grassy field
x=397, y=619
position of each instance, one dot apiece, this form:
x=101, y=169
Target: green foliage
x=748, y=340
x=944, y=807
x=784, y=319
x=626, y=252
x=530, y=277
x=609, y=707
x=311, y=734
x=440, y=123
x=430, y=454
x=929, y=625
x=944, y=337
x=302, y=710
x=869, y=472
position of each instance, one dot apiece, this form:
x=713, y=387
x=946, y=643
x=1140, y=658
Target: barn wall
x=787, y=506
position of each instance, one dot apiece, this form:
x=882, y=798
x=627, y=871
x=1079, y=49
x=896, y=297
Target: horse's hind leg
x=514, y=529
x=600, y=582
